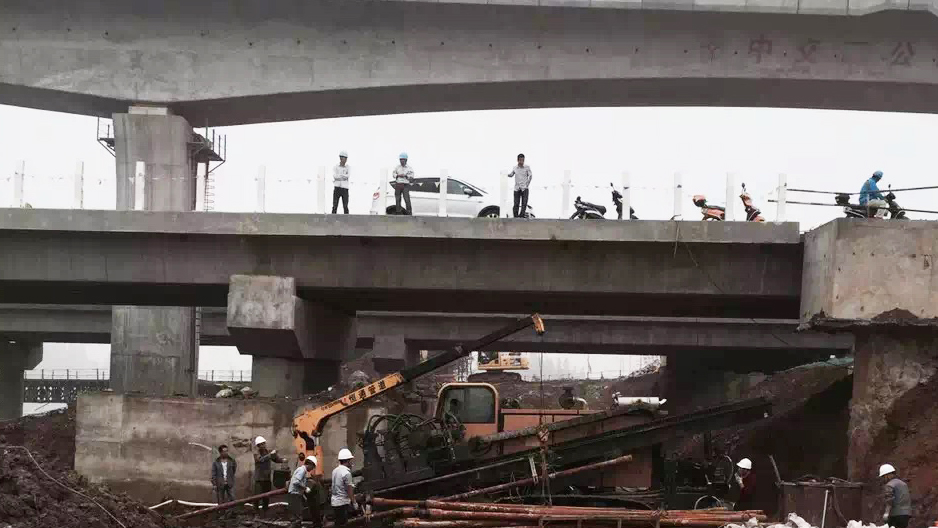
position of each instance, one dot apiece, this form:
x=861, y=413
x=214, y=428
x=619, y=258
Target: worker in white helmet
x=262, y=478
x=298, y=488
x=747, y=485
x=343, y=491
x=340, y=182
x=898, y=499
x=402, y=180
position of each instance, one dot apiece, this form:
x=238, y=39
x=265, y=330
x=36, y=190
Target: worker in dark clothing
x=747, y=485
x=262, y=477
x=223, y=476
x=898, y=499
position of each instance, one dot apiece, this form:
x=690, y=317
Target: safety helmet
x=345, y=454
x=878, y=174
x=886, y=469
x=745, y=464
x=402, y=156
x=343, y=154
x=312, y=459
x=259, y=440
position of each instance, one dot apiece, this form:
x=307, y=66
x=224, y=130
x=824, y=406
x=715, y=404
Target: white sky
x=825, y=150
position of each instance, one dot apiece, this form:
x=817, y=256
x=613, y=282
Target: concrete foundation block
x=870, y=270
x=266, y=318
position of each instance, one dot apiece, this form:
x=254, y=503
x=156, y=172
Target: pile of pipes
x=445, y=514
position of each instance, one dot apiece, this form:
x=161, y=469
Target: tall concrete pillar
x=297, y=344
x=154, y=350
x=876, y=280
x=15, y=357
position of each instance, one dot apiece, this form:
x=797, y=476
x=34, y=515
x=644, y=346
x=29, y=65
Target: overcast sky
x=825, y=150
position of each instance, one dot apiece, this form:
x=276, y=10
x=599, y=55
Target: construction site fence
x=231, y=376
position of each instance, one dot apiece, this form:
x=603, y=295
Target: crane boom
x=309, y=425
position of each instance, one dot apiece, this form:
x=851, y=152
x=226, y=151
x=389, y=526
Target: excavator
x=308, y=426
x=495, y=367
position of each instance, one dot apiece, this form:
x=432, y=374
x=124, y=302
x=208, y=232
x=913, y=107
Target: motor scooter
x=893, y=209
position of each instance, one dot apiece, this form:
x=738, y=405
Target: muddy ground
x=807, y=434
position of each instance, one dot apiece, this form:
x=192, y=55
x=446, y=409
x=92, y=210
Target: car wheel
x=490, y=212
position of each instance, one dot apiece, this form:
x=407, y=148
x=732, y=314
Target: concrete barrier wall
x=156, y=448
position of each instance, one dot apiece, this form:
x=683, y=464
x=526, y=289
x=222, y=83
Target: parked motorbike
x=617, y=199
x=894, y=210
x=717, y=213
x=753, y=214
x=710, y=212
x=587, y=211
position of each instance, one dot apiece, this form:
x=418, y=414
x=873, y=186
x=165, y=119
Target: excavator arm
x=308, y=426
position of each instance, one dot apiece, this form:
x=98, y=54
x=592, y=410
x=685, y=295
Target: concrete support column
x=15, y=357
x=292, y=378
x=297, y=344
x=887, y=366
x=154, y=350
x=392, y=353
x=876, y=280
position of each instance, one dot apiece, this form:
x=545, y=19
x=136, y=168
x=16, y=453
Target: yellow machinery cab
x=477, y=407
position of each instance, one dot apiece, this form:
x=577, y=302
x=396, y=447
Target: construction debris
x=443, y=514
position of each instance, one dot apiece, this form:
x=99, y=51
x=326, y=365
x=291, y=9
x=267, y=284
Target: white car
x=462, y=199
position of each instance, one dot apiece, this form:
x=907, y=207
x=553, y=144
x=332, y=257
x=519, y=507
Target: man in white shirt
x=340, y=181
x=522, y=175
x=342, y=489
x=403, y=179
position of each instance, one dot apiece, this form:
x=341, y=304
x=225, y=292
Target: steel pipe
x=531, y=480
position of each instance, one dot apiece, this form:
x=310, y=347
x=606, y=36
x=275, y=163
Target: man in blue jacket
x=872, y=198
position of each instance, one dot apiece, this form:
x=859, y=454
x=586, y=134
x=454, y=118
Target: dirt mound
x=51, y=434
x=807, y=432
x=29, y=498
x=910, y=442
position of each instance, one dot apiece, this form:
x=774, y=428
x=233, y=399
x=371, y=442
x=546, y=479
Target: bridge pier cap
x=875, y=279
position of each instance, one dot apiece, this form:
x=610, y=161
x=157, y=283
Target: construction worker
x=262, y=477
x=298, y=488
x=340, y=182
x=403, y=179
x=898, y=499
x=872, y=198
x=223, y=476
x=747, y=485
x=522, y=175
x=342, y=489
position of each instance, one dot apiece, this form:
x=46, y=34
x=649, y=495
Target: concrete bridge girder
x=328, y=58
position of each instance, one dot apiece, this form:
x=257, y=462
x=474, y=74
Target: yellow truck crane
x=308, y=426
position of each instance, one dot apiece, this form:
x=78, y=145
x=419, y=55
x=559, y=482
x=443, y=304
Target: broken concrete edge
x=887, y=322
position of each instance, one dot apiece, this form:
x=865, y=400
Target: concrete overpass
x=226, y=62
x=356, y=263
x=435, y=331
